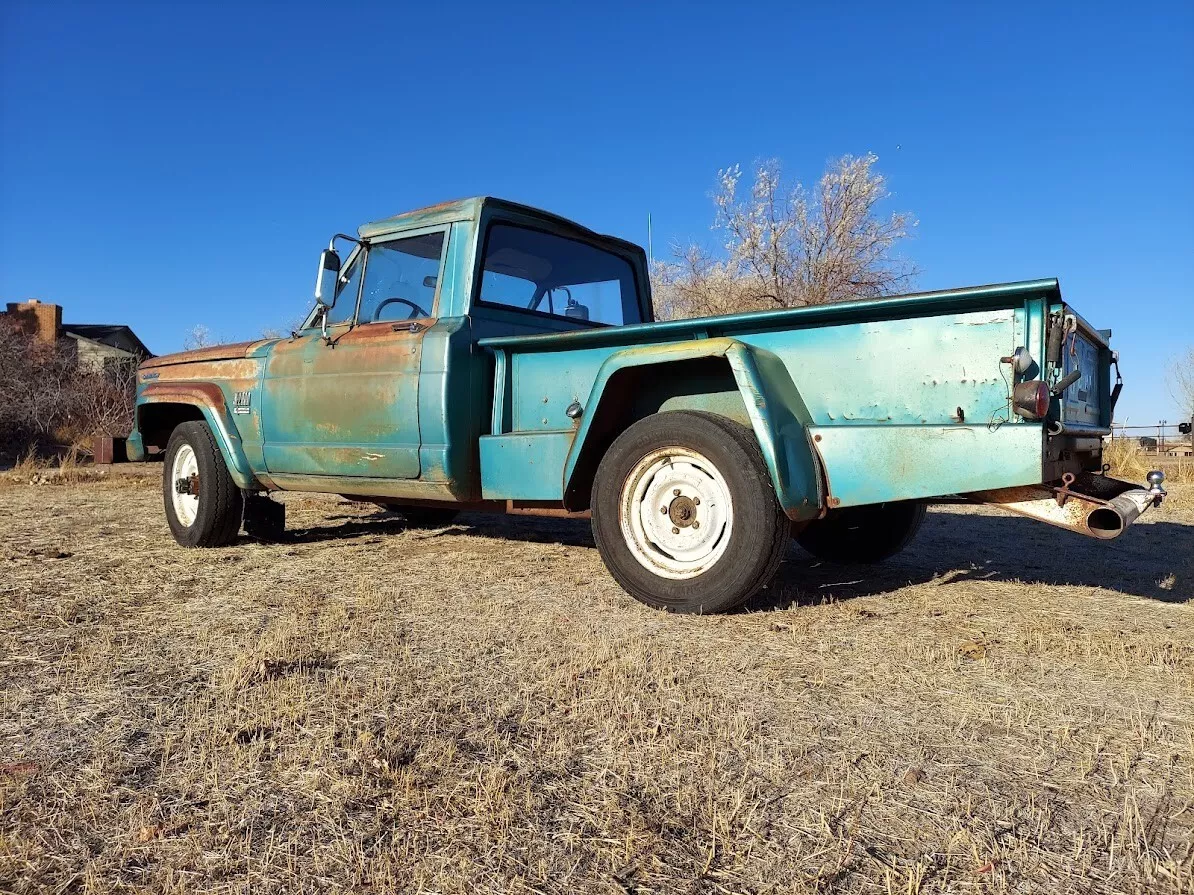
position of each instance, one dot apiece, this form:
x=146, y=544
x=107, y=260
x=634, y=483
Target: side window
x=346, y=294
x=400, y=278
x=548, y=274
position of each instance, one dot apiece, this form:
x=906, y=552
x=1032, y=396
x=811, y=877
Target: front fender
x=774, y=407
x=208, y=397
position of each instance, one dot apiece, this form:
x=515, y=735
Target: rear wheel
x=866, y=534
x=203, y=504
x=685, y=515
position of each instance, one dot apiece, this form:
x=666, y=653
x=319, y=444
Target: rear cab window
x=548, y=275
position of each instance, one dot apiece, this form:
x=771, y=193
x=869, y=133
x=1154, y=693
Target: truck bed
x=899, y=398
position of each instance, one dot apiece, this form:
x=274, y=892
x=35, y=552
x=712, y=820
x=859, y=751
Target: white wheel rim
x=186, y=465
x=676, y=513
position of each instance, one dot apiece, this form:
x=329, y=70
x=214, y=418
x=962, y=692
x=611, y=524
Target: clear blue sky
x=167, y=165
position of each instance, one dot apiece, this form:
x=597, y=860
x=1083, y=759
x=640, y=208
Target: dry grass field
x=1003, y=708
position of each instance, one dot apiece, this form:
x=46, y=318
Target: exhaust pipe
x=1109, y=521
x=1093, y=505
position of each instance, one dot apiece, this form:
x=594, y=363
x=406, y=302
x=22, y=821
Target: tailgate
x=1085, y=405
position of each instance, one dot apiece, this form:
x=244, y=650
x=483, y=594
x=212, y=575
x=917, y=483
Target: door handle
x=407, y=327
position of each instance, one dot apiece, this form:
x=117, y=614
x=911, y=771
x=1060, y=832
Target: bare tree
x=275, y=332
x=785, y=247
x=104, y=400
x=1181, y=381
x=199, y=336
x=36, y=387
x=47, y=399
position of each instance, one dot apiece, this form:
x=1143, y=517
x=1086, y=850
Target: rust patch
x=683, y=512
x=388, y=332
x=236, y=368
x=426, y=209
x=538, y=508
x=1080, y=504
x=233, y=350
x=185, y=393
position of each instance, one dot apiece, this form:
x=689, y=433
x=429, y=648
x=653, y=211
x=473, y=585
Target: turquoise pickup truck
x=482, y=355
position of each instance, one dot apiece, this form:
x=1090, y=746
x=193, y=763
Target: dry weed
x=1129, y=461
x=1003, y=708
x=71, y=469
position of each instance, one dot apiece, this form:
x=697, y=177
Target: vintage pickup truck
x=484, y=355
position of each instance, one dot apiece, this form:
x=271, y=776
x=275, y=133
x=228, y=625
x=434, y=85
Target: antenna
x=650, y=247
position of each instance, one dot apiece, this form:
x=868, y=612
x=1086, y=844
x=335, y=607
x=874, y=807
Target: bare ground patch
x=1003, y=708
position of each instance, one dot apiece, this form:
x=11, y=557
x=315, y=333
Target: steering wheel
x=418, y=311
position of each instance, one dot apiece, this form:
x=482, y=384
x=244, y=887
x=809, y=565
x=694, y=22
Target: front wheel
x=685, y=515
x=203, y=503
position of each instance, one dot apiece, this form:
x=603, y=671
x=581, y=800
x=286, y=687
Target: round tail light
x=1031, y=399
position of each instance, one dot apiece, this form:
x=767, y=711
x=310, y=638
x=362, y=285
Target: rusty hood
x=231, y=351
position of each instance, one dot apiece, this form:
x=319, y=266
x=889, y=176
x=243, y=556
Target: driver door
x=351, y=408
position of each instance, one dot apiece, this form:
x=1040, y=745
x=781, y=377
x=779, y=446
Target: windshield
x=547, y=274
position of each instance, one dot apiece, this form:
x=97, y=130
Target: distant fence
x=1164, y=440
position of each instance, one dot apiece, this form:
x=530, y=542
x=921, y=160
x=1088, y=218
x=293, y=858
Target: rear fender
x=209, y=399
x=774, y=408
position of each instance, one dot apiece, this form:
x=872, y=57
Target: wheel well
x=157, y=421
x=632, y=393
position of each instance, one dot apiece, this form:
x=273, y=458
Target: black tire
x=866, y=534
x=221, y=503
x=423, y=517
x=757, y=537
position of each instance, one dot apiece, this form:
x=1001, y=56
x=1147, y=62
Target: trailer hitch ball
x=1155, y=478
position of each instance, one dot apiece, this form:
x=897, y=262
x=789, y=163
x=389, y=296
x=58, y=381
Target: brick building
x=97, y=346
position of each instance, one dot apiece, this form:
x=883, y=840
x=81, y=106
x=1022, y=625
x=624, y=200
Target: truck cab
x=485, y=355
x=399, y=402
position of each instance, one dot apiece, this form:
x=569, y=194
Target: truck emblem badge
x=241, y=402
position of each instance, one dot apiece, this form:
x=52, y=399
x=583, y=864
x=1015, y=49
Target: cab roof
x=471, y=210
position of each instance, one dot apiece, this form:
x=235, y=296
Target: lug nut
x=696, y=501
x=696, y=525
x=663, y=510
x=676, y=492
x=675, y=531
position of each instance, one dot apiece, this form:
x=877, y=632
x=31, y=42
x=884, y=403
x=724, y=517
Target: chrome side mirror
x=325, y=286
x=325, y=278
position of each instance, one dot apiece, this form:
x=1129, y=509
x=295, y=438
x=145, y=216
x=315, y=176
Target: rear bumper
x=1090, y=504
